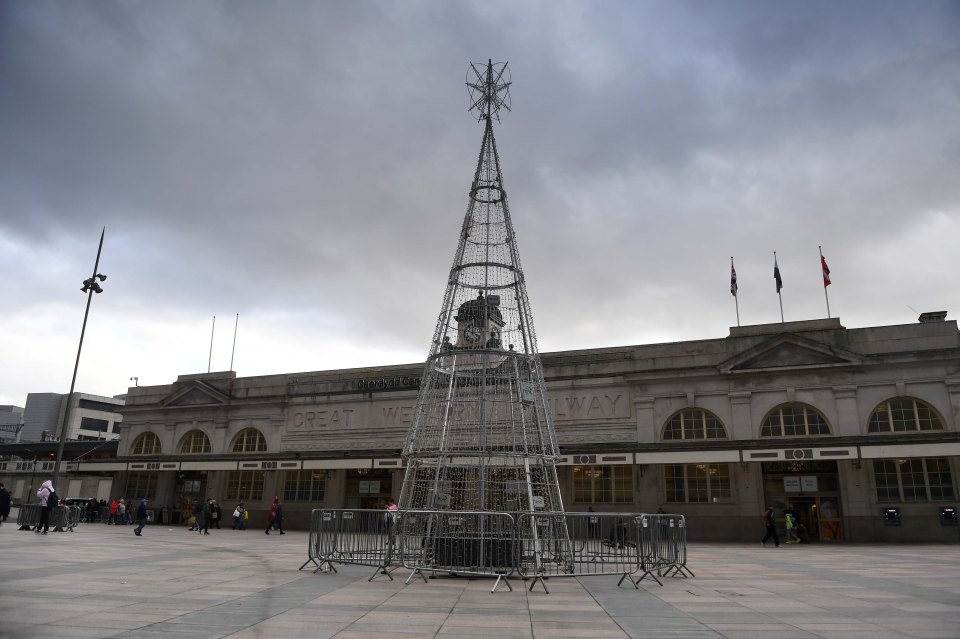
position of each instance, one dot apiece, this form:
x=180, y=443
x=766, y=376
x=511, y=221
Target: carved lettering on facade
x=397, y=415
x=588, y=407
x=322, y=418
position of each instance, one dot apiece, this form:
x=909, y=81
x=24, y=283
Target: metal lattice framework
x=482, y=437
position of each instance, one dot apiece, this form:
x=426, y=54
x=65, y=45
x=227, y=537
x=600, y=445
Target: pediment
x=786, y=352
x=195, y=394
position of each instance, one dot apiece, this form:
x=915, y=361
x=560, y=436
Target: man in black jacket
x=141, y=517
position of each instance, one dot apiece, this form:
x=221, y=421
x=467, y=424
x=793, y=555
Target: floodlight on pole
x=90, y=286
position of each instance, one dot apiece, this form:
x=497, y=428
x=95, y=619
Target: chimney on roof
x=935, y=316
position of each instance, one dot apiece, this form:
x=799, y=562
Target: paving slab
x=102, y=581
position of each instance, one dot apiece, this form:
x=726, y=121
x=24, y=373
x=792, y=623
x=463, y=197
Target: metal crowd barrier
x=352, y=536
x=591, y=544
x=459, y=542
x=535, y=546
x=61, y=517
x=662, y=548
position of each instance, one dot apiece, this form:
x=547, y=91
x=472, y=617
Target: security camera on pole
x=91, y=285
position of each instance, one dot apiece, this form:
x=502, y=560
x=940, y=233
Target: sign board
x=791, y=484
x=808, y=483
x=537, y=501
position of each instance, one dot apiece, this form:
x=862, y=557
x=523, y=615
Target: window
x=904, y=414
x=193, y=442
x=694, y=423
x=146, y=444
x=249, y=440
x=794, y=420
x=140, y=484
x=917, y=479
x=304, y=485
x=603, y=484
x=698, y=483
x=245, y=484
x=100, y=406
x=90, y=423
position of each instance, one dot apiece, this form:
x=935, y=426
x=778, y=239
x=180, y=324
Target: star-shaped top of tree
x=489, y=87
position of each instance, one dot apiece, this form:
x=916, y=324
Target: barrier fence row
x=61, y=517
x=533, y=546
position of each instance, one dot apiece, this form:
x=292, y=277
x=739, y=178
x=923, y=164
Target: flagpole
x=235, y=324
x=777, y=269
x=212, y=329
x=826, y=297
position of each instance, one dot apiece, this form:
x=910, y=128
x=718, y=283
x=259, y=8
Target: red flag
x=826, y=271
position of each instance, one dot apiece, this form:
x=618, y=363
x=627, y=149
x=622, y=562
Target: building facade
x=855, y=429
x=92, y=417
x=11, y=422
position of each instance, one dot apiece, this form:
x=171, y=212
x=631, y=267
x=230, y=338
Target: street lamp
x=135, y=380
x=91, y=285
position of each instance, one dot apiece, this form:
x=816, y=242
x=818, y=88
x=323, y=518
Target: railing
x=60, y=518
x=352, y=536
x=459, y=543
x=534, y=546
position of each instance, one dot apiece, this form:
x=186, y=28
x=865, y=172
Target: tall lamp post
x=90, y=286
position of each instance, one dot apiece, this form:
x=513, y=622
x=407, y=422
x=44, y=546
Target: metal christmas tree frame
x=482, y=439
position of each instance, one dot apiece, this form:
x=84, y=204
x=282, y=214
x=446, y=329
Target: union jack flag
x=733, y=279
x=826, y=271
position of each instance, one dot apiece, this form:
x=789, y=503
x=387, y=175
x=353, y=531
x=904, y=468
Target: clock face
x=472, y=333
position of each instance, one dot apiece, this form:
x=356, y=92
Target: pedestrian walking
x=4, y=504
x=215, y=514
x=771, y=527
x=141, y=517
x=114, y=507
x=48, y=499
x=203, y=521
x=275, y=518
x=238, y=516
x=121, y=512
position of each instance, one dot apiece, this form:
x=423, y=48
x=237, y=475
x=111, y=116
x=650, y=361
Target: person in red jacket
x=275, y=518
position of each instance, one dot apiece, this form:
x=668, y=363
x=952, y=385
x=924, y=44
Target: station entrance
x=368, y=488
x=812, y=490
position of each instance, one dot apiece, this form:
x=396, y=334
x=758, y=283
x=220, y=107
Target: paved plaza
x=102, y=581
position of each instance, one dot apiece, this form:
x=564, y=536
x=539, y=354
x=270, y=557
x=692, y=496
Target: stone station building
x=840, y=424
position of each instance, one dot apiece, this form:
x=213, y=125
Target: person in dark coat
x=4, y=504
x=275, y=518
x=203, y=521
x=771, y=527
x=141, y=517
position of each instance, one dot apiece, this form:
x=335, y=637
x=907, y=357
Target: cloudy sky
x=306, y=165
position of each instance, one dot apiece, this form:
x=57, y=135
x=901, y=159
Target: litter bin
x=891, y=516
x=150, y=519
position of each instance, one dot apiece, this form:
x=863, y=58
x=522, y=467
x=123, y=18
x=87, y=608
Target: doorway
x=368, y=488
x=812, y=490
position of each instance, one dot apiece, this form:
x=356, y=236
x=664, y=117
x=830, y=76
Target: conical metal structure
x=482, y=437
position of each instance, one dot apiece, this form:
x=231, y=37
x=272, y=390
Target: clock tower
x=479, y=323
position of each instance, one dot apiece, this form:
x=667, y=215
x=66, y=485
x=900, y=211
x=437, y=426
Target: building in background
x=92, y=417
x=857, y=430
x=11, y=423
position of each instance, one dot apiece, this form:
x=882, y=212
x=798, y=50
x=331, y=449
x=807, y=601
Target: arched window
x=694, y=423
x=904, y=414
x=146, y=444
x=196, y=441
x=249, y=440
x=794, y=420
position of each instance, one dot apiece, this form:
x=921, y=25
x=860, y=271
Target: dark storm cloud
x=308, y=162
